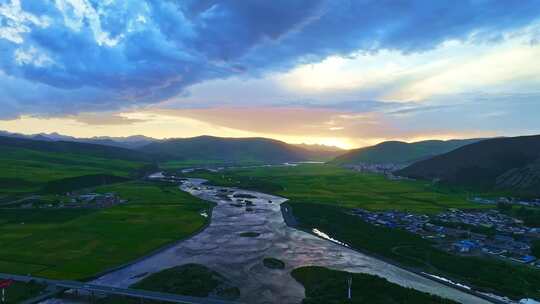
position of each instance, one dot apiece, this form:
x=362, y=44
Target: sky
x=335, y=72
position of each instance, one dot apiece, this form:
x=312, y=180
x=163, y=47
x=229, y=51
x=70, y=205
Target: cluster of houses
x=78, y=200
x=159, y=176
x=191, y=170
x=93, y=200
x=383, y=168
x=502, y=223
x=507, y=200
x=465, y=232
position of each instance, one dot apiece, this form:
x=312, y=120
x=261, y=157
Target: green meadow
x=332, y=185
x=189, y=280
x=181, y=164
x=77, y=243
x=23, y=170
x=325, y=286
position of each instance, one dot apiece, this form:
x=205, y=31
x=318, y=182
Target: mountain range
x=129, y=142
x=511, y=163
x=227, y=150
x=398, y=152
x=506, y=164
x=8, y=144
x=197, y=149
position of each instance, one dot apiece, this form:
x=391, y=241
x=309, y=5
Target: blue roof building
x=465, y=246
x=527, y=259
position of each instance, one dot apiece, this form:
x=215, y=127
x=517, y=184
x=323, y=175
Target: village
x=382, y=168
x=169, y=178
x=507, y=200
x=76, y=200
x=472, y=233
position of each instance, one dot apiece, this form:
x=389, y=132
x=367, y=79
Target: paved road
x=100, y=289
x=21, y=200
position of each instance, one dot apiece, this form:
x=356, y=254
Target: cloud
x=418, y=109
x=296, y=121
x=285, y=120
x=451, y=116
x=507, y=114
x=88, y=55
x=106, y=119
x=443, y=116
x=355, y=106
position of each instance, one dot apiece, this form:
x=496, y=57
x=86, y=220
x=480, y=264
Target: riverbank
x=291, y=221
x=240, y=259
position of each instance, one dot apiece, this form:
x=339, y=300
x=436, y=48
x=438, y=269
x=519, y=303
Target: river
x=221, y=248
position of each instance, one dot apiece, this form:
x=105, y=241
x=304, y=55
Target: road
x=21, y=200
x=101, y=289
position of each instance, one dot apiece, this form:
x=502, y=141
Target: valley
x=318, y=201
x=106, y=219
x=240, y=259
x=261, y=152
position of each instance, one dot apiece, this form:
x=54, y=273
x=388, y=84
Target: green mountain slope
x=500, y=163
x=226, y=150
x=27, y=165
x=522, y=179
x=397, y=152
x=85, y=149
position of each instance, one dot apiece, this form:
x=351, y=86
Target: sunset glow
x=376, y=82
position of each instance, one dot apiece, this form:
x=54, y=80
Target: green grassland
x=326, y=184
x=325, y=286
x=189, y=280
x=183, y=164
x=23, y=170
x=77, y=243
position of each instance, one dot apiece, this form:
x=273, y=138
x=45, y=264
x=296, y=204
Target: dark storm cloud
x=65, y=58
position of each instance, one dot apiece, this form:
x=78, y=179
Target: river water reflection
x=221, y=248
